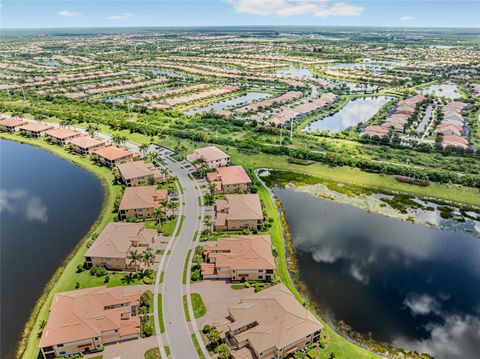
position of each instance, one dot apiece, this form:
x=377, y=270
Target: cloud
x=320, y=8
x=407, y=18
x=357, y=274
x=124, y=16
x=458, y=337
x=422, y=304
x=69, y=13
x=20, y=201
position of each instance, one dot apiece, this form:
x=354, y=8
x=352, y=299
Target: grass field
x=160, y=314
x=199, y=309
x=64, y=277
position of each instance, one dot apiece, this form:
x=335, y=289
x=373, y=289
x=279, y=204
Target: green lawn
x=160, y=314
x=166, y=228
x=154, y=353
x=197, y=347
x=199, y=309
x=182, y=218
x=185, y=266
x=64, y=278
x=86, y=280
x=345, y=174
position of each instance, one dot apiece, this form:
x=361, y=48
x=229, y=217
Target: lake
x=407, y=284
x=47, y=206
x=356, y=111
x=295, y=72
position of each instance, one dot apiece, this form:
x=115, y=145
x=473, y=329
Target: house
x=239, y=258
x=85, y=145
x=270, y=324
x=84, y=320
x=231, y=179
x=141, y=202
x=453, y=140
x=212, y=155
x=376, y=130
x=139, y=173
x=34, y=129
x=446, y=129
x=11, y=124
x=60, y=136
x=113, y=155
x=238, y=211
x=116, y=241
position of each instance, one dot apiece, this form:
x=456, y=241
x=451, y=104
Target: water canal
x=47, y=205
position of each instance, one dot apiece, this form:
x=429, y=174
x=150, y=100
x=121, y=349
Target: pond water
x=163, y=72
x=407, y=284
x=47, y=206
x=295, y=72
x=356, y=111
x=357, y=87
x=245, y=99
x=49, y=63
x=448, y=90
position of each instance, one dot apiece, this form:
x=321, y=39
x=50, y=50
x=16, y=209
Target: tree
x=92, y=129
x=134, y=258
x=148, y=258
x=201, y=165
x=116, y=139
x=212, y=187
x=128, y=278
x=146, y=299
x=143, y=149
x=208, y=222
x=223, y=351
x=159, y=214
x=214, y=336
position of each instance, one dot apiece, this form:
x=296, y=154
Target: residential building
x=11, y=124
x=34, y=129
x=60, y=136
x=84, y=320
x=270, y=324
x=113, y=155
x=239, y=258
x=85, y=145
x=141, y=202
x=453, y=140
x=116, y=241
x=139, y=173
x=231, y=179
x=238, y=211
x=212, y=155
x=376, y=130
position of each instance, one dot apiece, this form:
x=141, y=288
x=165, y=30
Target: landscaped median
x=199, y=309
x=66, y=276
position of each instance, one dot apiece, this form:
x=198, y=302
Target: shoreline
x=30, y=328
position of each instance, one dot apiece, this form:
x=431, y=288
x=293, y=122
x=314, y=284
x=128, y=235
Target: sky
x=131, y=13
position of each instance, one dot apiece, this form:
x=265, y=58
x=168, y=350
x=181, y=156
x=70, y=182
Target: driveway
x=218, y=296
x=132, y=349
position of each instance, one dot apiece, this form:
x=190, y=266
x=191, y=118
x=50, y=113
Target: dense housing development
x=229, y=160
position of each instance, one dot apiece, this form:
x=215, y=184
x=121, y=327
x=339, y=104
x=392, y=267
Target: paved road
x=176, y=328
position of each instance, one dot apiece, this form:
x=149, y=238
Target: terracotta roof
x=81, y=314
x=117, y=240
x=112, y=153
x=241, y=252
x=229, y=175
x=210, y=153
x=455, y=140
x=240, y=207
x=62, y=133
x=279, y=319
x=376, y=130
x=36, y=127
x=137, y=169
x=142, y=197
x=86, y=142
x=12, y=122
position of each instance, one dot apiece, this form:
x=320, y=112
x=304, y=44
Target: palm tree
x=148, y=258
x=134, y=258
x=207, y=221
x=116, y=139
x=165, y=172
x=128, y=278
x=172, y=205
x=159, y=214
x=143, y=149
x=92, y=129
x=201, y=165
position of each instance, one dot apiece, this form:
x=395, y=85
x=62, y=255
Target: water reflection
x=406, y=284
x=356, y=111
x=448, y=90
x=296, y=72
x=245, y=99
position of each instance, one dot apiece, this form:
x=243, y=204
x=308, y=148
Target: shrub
x=147, y=331
x=195, y=275
x=146, y=298
x=77, y=285
x=206, y=328
x=107, y=279
x=80, y=268
x=247, y=285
